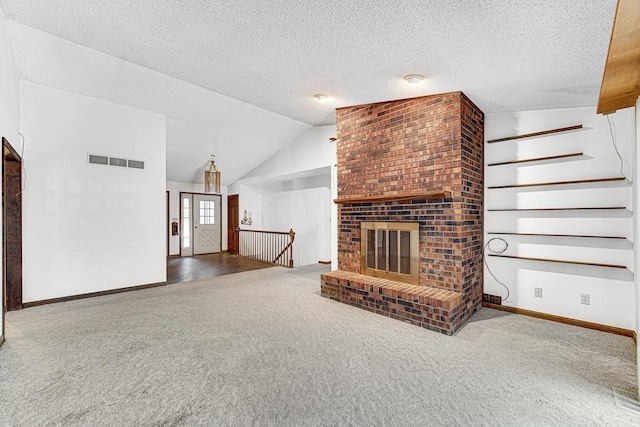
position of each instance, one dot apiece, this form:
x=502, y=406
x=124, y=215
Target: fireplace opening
x=389, y=250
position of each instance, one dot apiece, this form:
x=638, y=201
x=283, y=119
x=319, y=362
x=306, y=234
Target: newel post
x=292, y=236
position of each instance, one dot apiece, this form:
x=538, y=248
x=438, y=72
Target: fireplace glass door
x=390, y=250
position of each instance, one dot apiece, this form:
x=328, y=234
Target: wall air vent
x=114, y=161
x=136, y=164
x=98, y=160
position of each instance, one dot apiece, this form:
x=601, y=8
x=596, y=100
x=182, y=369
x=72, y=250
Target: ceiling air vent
x=98, y=160
x=136, y=164
x=114, y=161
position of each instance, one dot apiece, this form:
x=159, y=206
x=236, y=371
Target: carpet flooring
x=263, y=348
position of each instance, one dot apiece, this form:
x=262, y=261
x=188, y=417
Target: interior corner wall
x=87, y=227
x=250, y=205
x=611, y=290
x=292, y=189
x=9, y=100
x=175, y=188
x=311, y=150
x=308, y=213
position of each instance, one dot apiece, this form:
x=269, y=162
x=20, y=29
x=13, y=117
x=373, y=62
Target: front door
x=207, y=227
x=233, y=216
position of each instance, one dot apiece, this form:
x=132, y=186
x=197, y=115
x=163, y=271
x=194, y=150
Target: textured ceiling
x=505, y=55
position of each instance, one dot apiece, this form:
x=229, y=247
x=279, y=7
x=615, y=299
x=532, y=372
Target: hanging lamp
x=212, y=178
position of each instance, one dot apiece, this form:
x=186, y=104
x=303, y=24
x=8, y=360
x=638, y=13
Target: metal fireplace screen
x=390, y=250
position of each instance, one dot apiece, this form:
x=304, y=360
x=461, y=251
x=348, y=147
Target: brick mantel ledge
x=423, y=195
x=428, y=307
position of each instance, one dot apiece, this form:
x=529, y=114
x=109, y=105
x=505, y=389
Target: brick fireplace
x=416, y=161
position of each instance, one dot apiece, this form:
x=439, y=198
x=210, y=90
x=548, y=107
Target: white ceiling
x=180, y=58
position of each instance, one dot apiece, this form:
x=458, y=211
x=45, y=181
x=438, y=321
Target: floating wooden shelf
x=591, y=264
x=557, y=235
x=541, y=184
x=440, y=194
x=544, y=160
x=530, y=135
x=588, y=212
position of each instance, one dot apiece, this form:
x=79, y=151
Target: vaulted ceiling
x=237, y=77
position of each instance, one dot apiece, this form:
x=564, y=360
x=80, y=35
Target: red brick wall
x=400, y=146
x=407, y=146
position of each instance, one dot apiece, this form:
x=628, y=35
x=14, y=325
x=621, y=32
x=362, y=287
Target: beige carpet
x=263, y=348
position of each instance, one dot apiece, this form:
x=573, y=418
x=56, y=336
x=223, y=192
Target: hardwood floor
x=184, y=269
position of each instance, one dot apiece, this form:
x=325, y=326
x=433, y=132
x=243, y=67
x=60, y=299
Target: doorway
x=200, y=224
x=12, y=229
x=233, y=216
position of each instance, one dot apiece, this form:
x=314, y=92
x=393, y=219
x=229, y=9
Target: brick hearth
x=415, y=160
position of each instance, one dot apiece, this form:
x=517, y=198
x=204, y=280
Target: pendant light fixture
x=212, y=178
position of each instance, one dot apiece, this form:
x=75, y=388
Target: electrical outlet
x=538, y=292
x=492, y=299
x=585, y=299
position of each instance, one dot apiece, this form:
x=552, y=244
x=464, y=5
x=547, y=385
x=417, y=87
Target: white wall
x=611, y=290
x=174, y=189
x=90, y=228
x=308, y=212
x=9, y=88
x=293, y=190
x=250, y=200
x=636, y=223
x=311, y=150
x=10, y=98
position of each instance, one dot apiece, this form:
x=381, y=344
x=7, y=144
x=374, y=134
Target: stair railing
x=275, y=247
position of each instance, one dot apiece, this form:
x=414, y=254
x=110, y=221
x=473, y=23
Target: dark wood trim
x=558, y=209
x=92, y=294
x=592, y=264
x=537, y=159
x=439, y=194
x=233, y=222
x=538, y=184
x=2, y=338
x=529, y=135
x=173, y=256
x=557, y=235
x=12, y=227
x=324, y=262
x=560, y=319
x=203, y=194
x=261, y=231
x=16, y=157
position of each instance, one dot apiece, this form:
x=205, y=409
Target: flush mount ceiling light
x=320, y=96
x=414, y=78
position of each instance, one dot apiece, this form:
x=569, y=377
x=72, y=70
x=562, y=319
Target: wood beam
x=621, y=81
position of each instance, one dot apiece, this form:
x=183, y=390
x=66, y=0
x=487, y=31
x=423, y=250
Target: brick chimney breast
x=417, y=160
